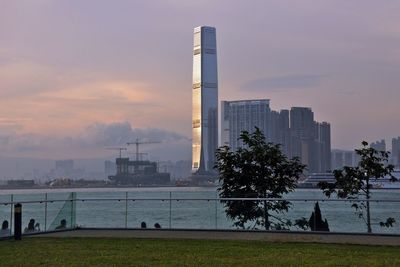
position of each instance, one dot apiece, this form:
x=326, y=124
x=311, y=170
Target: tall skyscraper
x=244, y=115
x=205, y=100
x=325, y=141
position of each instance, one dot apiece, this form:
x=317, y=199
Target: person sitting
x=63, y=225
x=143, y=225
x=157, y=226
x=31, y=226
x=4, y=229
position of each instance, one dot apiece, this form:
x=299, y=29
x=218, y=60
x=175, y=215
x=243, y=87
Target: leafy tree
x=258, y=170
x=354, y=183
x=315, y=222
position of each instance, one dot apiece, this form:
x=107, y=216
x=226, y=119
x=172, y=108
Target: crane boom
x=137, y=143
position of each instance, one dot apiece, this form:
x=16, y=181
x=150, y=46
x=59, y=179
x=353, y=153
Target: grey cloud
x=120, y=133
x=284, y=83
x=97, y=137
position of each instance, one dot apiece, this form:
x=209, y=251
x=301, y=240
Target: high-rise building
x=304, y=137
x=379, y=145
x=302, y=122
x=324, y=137
x=341, y=158
x=296, y=131
x=396, y=151
x=244, y=115
x=337, y=159
x=205, y=100
x=348, y=158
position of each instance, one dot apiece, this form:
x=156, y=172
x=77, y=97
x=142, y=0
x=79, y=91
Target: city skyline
x=71, y=80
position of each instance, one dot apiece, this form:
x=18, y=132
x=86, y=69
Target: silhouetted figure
x=63, y=225
x=157, y=225
x=316, y=223
x=4, y=229
x=143, y=225
x=31, y=226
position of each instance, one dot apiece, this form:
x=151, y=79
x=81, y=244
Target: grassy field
x=147, y=252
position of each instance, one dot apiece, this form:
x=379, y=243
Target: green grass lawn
x=150, y=252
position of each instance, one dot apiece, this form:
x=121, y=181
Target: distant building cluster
x=65, y=168
x=342, y=158
x=295, y=129
x=394, y=157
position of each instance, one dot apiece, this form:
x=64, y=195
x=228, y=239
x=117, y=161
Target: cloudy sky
x=78, y=76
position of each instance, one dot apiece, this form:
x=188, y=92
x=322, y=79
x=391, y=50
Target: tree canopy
x=259, y=169
x=354, y=183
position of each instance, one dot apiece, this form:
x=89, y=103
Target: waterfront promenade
x=267, y=236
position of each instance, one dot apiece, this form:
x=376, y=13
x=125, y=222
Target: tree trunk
x=368, y=210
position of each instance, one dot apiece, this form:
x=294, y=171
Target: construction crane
x=137, y=143
x=141, y=155
x=118, y=148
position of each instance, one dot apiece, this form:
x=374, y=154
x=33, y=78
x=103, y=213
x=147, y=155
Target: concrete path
x=309, y=237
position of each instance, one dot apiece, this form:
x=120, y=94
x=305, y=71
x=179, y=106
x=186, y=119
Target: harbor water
x=181, y=208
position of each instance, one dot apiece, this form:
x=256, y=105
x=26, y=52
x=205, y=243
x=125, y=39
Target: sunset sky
x=77, y=76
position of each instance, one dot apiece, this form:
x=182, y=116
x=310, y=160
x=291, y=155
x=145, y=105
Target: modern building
x=396, y=151
x=324, y=136
x=244, y=115
x=341, y=158
x=310, y=140
x=205, y=100
x=295, y=130
x=379, y=145
x=337, y=159
x=302, y=122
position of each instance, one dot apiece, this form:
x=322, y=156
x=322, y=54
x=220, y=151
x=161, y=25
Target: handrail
x=202, y=199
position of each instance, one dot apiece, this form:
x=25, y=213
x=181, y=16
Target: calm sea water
x=187, y=214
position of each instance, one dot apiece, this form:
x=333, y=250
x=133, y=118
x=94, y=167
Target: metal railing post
x=126, y=209
x=72, y=209
x=45, y=212
x=216, y=211
x=11, y=209
x=170, y=209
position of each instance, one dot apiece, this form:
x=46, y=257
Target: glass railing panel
x=100, y=213
x=6, y=213
x=195, y=208
x=148, y=208
x=223, y=222
x=33, y=217
x=193, y=214
x=148, y=213
x=61, y=215
x=381, y=211
x=340, y=216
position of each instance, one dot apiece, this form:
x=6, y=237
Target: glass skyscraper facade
x=205, y=100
